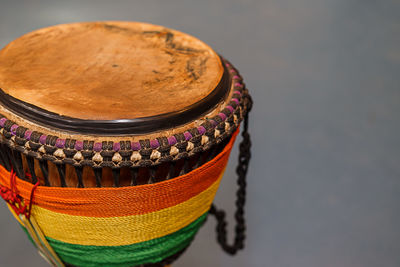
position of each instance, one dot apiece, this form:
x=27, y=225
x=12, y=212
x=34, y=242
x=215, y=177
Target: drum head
x=111, y=71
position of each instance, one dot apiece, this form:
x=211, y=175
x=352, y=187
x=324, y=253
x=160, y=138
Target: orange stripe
x=125, y=201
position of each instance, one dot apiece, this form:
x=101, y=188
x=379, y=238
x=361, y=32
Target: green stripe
x=151, y=251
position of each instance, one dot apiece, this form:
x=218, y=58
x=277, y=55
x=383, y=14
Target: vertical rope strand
x=45, y=171
x=31, y=166
x=116, y=175
x=2, y=160
x=198, y=161
x=78, y=171
x=171, y=172
x=61, y=174
x=185, y=166
x=241, y=170
x=4, y=155
x=16, y=160
x=134, y=174
x=152, y=178
x=98, y=174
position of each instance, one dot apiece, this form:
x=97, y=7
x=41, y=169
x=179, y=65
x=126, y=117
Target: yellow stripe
x=14, y=214
x=126, y=230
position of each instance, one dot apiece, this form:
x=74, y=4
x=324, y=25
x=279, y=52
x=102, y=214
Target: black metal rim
x=122, y=126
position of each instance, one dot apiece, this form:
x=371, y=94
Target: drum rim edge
x=133, y=154
x=136, y=126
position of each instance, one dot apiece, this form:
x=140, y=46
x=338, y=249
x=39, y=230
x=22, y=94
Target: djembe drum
x=114, y=138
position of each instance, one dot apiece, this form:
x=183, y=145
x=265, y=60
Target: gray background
x=324, y=183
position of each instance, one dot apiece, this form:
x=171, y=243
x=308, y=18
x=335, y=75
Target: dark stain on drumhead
x=171, y=44
x=196, y=66
x=169, y=40
x=118, y=29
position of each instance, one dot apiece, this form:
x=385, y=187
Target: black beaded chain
x=241, y=170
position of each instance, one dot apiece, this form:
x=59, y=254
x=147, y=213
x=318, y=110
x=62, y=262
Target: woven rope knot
x=15, y=200
x=12, y=197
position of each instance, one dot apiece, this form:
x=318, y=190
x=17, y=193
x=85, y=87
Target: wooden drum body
x=114, y=137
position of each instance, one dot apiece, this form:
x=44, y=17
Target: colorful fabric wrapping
x=124, y=226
